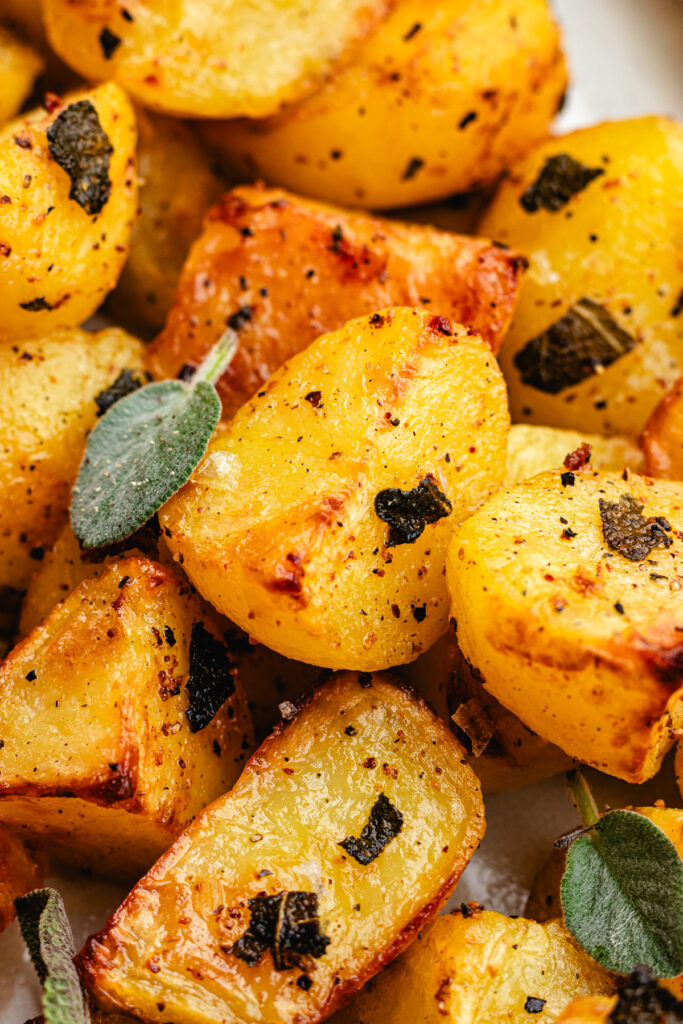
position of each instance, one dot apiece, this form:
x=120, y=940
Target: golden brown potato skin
x=662, y=437
x=533, y=449
x=475, y=966
x=312, y=783
x=177, y=184
x=58, y=262
x=588, y=1010
x=574, y=638
x=278, y=526
x=49, y=389
x=441, y=98
x=595, y=246
x=20, y=871
x=19, y=67
x=174, y=57
x=98, y=759
x=297, y=269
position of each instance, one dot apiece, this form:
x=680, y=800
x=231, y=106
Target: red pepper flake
x=51, y=102
x=369, y=762
x=579, y=458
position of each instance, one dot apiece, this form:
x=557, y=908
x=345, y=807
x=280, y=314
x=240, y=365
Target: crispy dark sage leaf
x=408, y=512
x=561, y=178
x=78, y=143
x=643, y=1001
x=126, y=382
x=47, y=934
x=144, y=449
x=287, y=924
x=384, y=824
x=211, y=679
x=628, y=531
x=578, y=345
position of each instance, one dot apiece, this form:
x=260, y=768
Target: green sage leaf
x=144, y=449
x=622, y=895
x=47, y=934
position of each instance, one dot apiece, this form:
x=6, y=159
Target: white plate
x=625, y=61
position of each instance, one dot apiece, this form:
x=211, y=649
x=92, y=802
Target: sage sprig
x=144, y=449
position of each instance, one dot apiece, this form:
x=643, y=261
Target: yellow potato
x=19, y=67
x=477, y=966
x=356, y=751
x=50, y=389
x=20, y=871
x=533, y=449
x=210, y=58
x=567, y=591
x=319, y=521
x=596, y=339
x=439, y=99
x=662, y=437
x=68, y=199
x=109, y=745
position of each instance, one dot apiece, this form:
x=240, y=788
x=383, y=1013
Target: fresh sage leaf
x=144, y=449
x=47, y=934
x=622, y=895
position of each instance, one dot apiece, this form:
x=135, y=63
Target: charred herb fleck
x=125, y=384
x=287, y=924
x=36, y=305
x=561, y=178
x=408, y=512
x=384, y=824
x=628, y=531
x=533, y=1004
x=109, y=42
x=643, y=1001
x=79, y=145
x=581, y=343
x=211, y=681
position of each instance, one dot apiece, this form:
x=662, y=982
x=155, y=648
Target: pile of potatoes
x=435, y=545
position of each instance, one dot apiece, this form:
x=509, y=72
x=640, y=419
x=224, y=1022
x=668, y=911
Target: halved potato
x=596, y=339
x=19, y=67
x=51, y=389
x=477, y=966
x=567, y=591
x=69, y=200
x=319, y=521
x=210, y=58
x=439, y=99
x=120, y=719
x=281, y=899
x=285, y=270
x=662, y=437
x=533, y=449
x=20, y=871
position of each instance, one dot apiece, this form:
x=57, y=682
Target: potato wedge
x=391, y=430
x=20, y=871
x=51, y=389
x=357, y=748
x=567, y=594
x=286, y=270
x=20, y=65
x=595, y=341
x=210, y=58
x=69, y=199
x=109, y=745
x=474, y=966
x=533, y=449
x=441, y=98
x=662, y=437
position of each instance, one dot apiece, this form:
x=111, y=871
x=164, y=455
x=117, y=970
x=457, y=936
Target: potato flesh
x=50, y=388
x=277, y=527
x=539, y=614
x=298, y=269
x=420, y=112
x=310, y=784
x=628, y=217
x=20, y=872
x=480, y=968
x=19, y=66
x=662, y=437
x=533, y=449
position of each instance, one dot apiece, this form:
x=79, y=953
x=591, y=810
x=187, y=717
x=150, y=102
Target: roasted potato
x=533, y=449
x=679, y=766
x=642, y=997
x=319, y=522
x=357, y=751
x=566, y=590
x=51, y=390
x=20, y=871
x=439, y=99
x=270, y=681
x=69, y=199
x=595, y=341
x=120, y=719
x=19, y=67
x=210, y=58
x=477, y=966
x=662, y=437
x=176, y=184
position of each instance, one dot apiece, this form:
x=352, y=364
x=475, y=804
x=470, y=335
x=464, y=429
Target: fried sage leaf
x=408, y=512
x=46, y=932
x=628, y=531
x=643, y=1001
x=384, y=824
x=211, y=679
x=287, y=924
x=581, y=343
x=561, y=178
x=80, y=146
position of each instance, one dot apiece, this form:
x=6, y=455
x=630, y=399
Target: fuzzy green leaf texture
x=622, y=895
x=47, y=934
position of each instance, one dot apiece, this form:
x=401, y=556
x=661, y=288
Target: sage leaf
x=622, y=895
x=144, y=449
x=47, y=934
